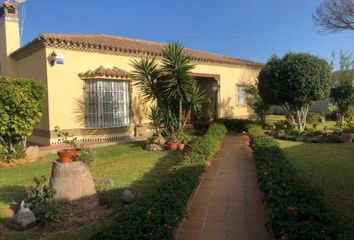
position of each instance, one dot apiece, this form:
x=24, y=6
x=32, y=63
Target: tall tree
x=335, y=15
x=342, y=93
x=295, y=82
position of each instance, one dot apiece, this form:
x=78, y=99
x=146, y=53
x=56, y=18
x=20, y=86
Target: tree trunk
x=180, y=129
x=74, y=185
x=301, y=114
x=290, y=113
x=188, y=112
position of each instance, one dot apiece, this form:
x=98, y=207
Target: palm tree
x=170, y=85
x=177, y=83
x=195, y=99
x=147, y=75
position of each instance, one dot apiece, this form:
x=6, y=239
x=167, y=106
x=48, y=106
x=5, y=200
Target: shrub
x=256, y=130
x=231, y=124
x=39, y=192
x=40, y=200
x=157, y=216
x=236, y=125
x=297, y=210
x=201, y=126
x=50, y=211
x=21, y=103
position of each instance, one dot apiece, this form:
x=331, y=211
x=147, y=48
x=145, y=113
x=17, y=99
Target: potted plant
x=184, y=139
x=173, y=143
x=66, y=155
x=316, y=126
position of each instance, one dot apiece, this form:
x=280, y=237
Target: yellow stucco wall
x=65, y=88
x=230, y=77
x=34, y=66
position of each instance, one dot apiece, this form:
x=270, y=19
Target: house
x=89, y=88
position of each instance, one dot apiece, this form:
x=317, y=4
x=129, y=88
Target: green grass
x=275, y=118
x=127, y=164
x=329, y=167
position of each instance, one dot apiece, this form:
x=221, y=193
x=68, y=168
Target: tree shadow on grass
x=11, y=195
x=328, y=166
x=142, y=187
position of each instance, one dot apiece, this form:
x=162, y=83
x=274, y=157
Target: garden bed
x=296, y=209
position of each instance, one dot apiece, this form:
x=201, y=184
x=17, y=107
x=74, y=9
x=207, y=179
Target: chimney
x=9, y=37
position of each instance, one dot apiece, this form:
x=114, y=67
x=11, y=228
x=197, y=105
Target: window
x=11, y=10
x=107, y=103
x=241, y=95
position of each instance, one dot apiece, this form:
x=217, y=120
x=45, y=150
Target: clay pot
x=173, y=146
x=180, y=146
x=66, y=155
x=347, y=137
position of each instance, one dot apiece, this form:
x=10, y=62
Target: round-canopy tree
x=295, y=82
x=21, y=103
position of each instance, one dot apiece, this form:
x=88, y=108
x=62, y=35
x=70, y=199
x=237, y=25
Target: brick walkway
x=227, y=204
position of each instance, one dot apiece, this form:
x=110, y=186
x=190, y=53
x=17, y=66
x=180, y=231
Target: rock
x=154, y=147
x=127, y=197
x=105, y=183
x=32, y=153
x=24, y=218
x=108, y=182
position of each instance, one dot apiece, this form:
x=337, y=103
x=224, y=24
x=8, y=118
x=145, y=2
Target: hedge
x=235, y=125
x=158, y=215
x=297, y=210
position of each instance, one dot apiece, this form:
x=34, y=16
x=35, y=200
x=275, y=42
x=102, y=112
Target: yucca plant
x=177, y=82
x=170, y=85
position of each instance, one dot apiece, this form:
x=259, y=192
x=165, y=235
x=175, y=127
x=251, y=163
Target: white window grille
x=107, y=103
x=241, y=95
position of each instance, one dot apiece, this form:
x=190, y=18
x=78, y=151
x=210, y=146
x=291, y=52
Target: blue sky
x=248, y=29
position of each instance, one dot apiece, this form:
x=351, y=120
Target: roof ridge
x=110, y=44
x=164, y=44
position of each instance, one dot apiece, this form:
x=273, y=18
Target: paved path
x=227, y=204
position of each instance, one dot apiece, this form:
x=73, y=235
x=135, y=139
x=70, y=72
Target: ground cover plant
x=296, y=209
x=157, y=216
x=128, y=165
x=329, y=167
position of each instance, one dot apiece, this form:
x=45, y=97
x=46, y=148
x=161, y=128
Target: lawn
x=127, y=164
x=329, y=167
x=275, y=118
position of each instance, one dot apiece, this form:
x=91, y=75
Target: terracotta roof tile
x=120, y=46
x=106, y=73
